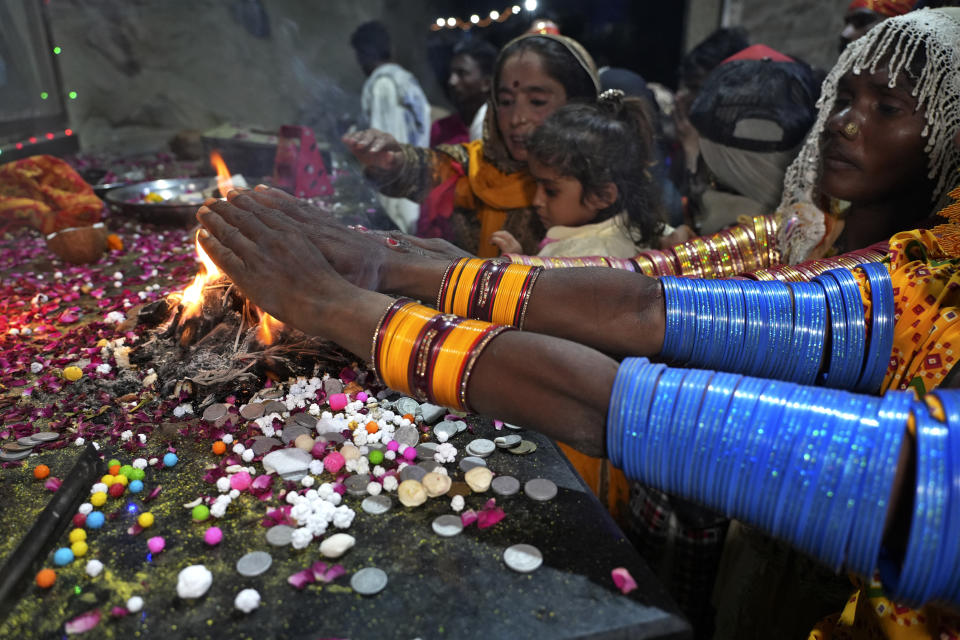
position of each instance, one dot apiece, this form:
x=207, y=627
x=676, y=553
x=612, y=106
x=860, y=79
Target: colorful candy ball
x=200, y=512
x=136, y=486
x=77, y=535
x=62, y=556
x=79, y=548
x=240, y=481
x=338, y=401
x=95, y=519
x=170, y=459
x=116, y=490
x=41, y=471
x=213, y=536
x=46, y=578
x=145, y=519
x=156, y=544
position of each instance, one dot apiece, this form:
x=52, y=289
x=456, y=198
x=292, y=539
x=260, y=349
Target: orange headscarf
x=46, y=193
x=889, y=8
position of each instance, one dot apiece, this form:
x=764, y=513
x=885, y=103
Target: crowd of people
x=571, y=227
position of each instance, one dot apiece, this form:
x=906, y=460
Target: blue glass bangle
x=948, y=562
x=704, y=325
x=736, y=327
x=779, y=361
x=808, y=331
x=712, y=416
x=770, y=472
x=837, y=367
x=732, y=442
x=879, y=476
x=758, y=333
x=674, y=312
x=685, y=420
x=622, y=407
x=881, y=327
x=688, y=322
x=661, y=415
x=754, y=495
x=636, y=431
x=856, y=324
x=717, y=339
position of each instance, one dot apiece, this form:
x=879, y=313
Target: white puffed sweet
x=337, y=545
x=194, y=581
x=134, y=604
x=94, y=567
x=247, y=600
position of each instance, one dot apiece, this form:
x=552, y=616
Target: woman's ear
x=603, y=197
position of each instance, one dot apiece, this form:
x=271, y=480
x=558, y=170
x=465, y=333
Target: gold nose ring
x=851, y=130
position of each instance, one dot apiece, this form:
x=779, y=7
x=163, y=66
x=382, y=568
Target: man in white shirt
x=392, y=101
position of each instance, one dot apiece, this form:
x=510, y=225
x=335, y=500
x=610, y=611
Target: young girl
x=595, y=192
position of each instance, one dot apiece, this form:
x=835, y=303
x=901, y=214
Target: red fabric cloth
x=435, y=211
x=449, y=130
x=759, y=52
x=46, y=193
x=889, y=8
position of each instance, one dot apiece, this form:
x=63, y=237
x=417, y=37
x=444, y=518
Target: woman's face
x=873, y=147
x=526, y=95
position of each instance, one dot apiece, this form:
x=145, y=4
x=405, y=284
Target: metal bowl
x=128, y=201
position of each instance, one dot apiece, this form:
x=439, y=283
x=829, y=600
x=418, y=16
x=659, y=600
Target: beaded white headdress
x=895, y=43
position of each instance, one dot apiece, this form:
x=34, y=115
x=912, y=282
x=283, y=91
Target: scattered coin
x=470, y=462
x=279, y=535
x=376, y=504
x=254, y=563
x=332, y=436
x=252, y=411
x=525, y=447
x=426, y=450
x=407, y=405
x=523, y=558
x=508, y=442
x=357, y=485
x=332, y=386
x=46, y=436
x=306, y=420
x=461, y=425
x=261, y=445
x=270, y=394
x=447, y=525
x=540, y=489
x=407, y=435
x=431, y=412
x=512, y=426
x=214, y=412
x=27, y=441
x=14, y=447
x=505, y=485
x=291, y=430
x=368, y=581
x=481, y=447
x=412, y=472
x=12, y=456
x=274, y=406
x=447, y=428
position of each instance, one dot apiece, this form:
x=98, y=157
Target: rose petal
x=118, y=612
x=52, y=483
x=301, y=578
x=468, y=517
x=83, y=622
x=623, y=580
x=333, y=573
x=489, y=517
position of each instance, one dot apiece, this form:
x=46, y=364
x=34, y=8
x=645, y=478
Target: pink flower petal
x=52, y=483
x=498, y=424
x=468, y=517
x=623, y=580
x=118, y=612
x=301, y=578
x=489, y=517
x=334, y=572
x=84, y=622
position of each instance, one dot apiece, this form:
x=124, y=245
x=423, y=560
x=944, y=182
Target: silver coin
x=446, y=427
x=332, y=436
x=508, y=442
x=28, y=441
x=481, y=447
x=357, y=485
x=461, y=425
x=279, y=535
x=512, y=426
x=368, y=581
x=447, y=525
x=429, y=465
x=412, y=472
x=376, y=504
x=407, y=405
x=408, y=435
x=525, y=447
x=305, y=420
x=426, y=449
x=46, y=436
x=262, y=445
x=470, y=462
x=252, y=411
x=271, y=393
x=291, y=430
x=540, y=489
x=523, y=558
x=13, y=456
x=505, y=485
x=214, y=412
x=254, y=563
x=332, y=386
x=274, y=406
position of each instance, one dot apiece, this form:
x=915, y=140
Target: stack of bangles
x=781, y=330
x=489, y=290
x=428, y=354
x=813, y=466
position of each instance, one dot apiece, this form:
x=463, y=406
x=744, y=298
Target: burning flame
x=224, y=180
x=193, y=295
x=268, y=326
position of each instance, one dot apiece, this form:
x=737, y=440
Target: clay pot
x=79, y=245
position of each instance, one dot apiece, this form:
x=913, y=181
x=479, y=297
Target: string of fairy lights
x=477, y=21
